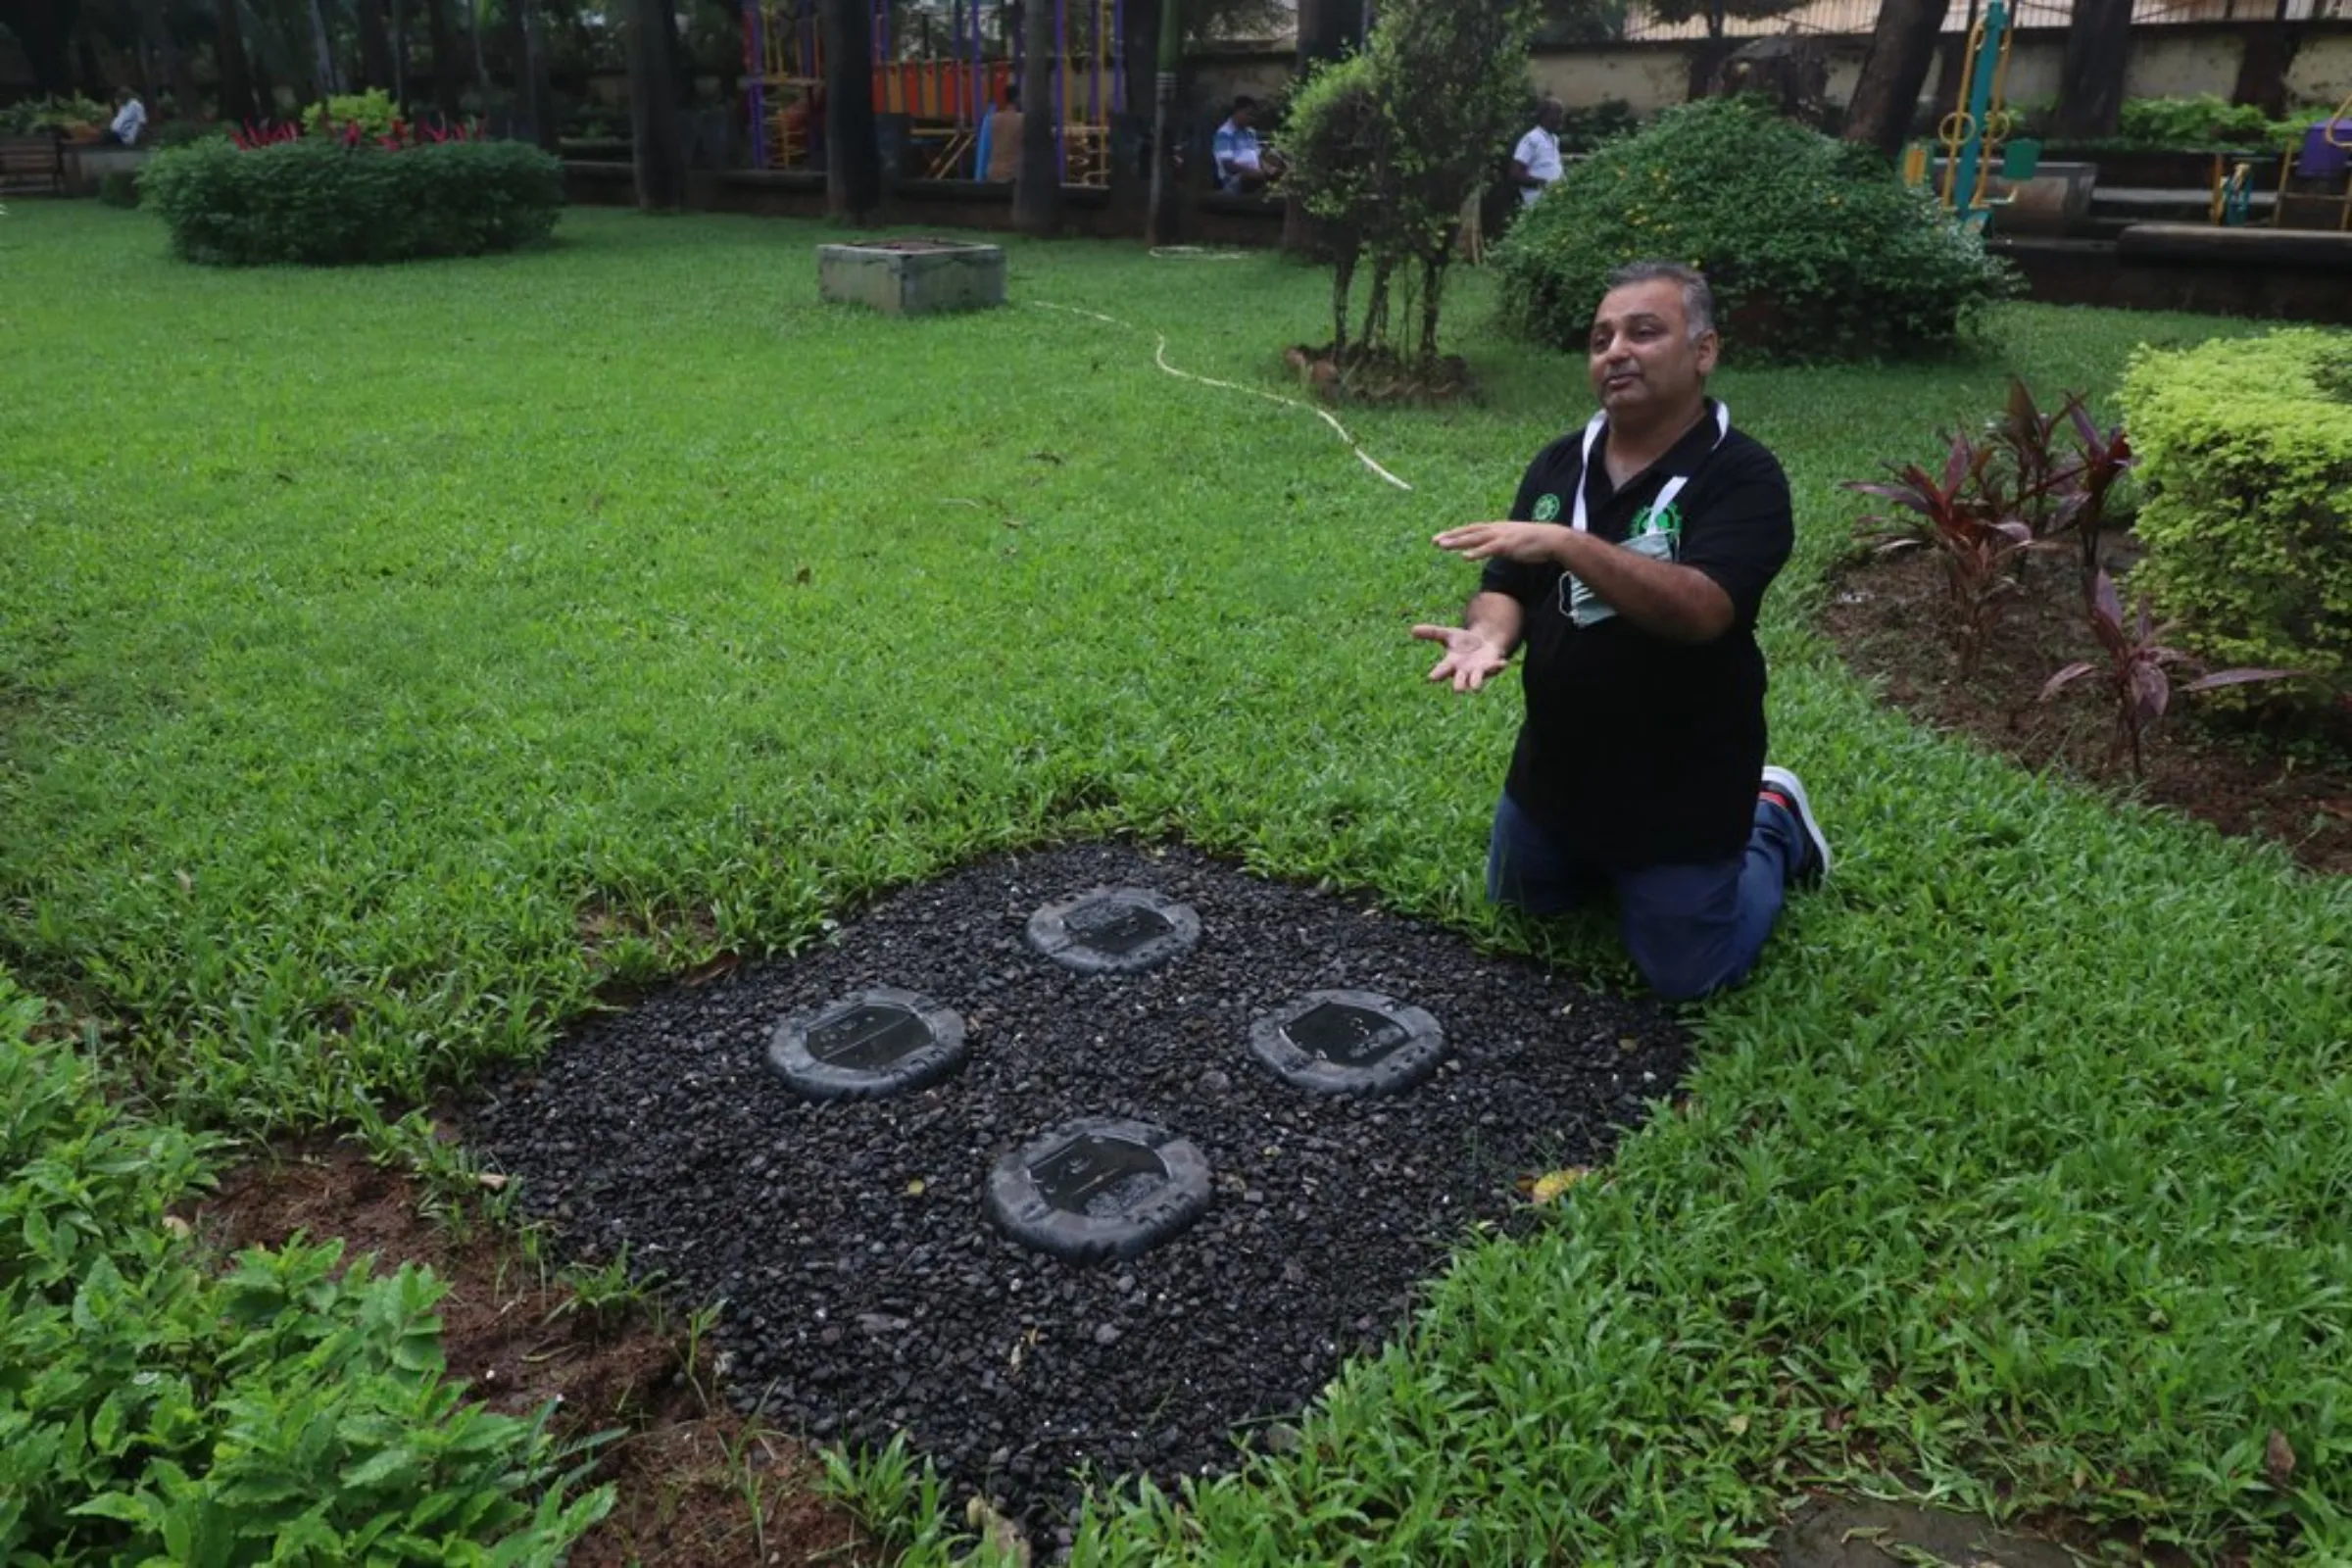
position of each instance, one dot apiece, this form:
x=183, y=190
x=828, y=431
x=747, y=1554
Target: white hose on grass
x=1160, y=356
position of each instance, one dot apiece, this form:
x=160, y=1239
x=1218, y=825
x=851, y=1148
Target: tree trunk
x=375, y=46
x=2262, y=71
x=1160, y=219
x=1327, y=30
x=44, y=28
x=538, y=93
x=236, y=76
x=447, y=72
x=1902, y=46
x=853, y=155
x=156, y=28
x=2090, y=80
x=1037, y=184
x=400, y=55
x=473, y=34
x=654, y=109
x=322, y=54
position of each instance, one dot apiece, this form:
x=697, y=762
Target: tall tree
x=163, y=45
x=1037, y=183
x=448, y=73
x=1327, y=30
x=537, y=89
x=1902, y=48
x=2262, y=70
x=1159, y=214
x=853, y=154
x=2091, y=78
x=236, y=71
x=375, y=45
x=661, y=154
x=44, y=28
x=322, y=54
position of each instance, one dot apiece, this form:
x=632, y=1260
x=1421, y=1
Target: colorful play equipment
x=947, y=89
x=2317, y=170
x=1977, y=136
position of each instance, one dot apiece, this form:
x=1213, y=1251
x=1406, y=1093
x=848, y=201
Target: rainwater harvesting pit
x=856, y=1235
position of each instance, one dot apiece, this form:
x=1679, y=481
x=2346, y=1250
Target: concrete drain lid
x=1114, y=930
x=876, y=1042
x=1099, y=1188
x=1348, y=1043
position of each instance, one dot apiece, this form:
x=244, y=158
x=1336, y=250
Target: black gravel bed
x=866, y=1291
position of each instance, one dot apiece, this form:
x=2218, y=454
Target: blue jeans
x=1690, y=929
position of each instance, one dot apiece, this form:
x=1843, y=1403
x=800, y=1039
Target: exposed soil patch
x=684, y=1474
x=1891, y=618
x=1356, y=376
x=866, y=1291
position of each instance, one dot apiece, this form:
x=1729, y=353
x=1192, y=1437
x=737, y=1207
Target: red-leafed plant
x=1979, y=544
x=2137, y=670
x=2104, y=457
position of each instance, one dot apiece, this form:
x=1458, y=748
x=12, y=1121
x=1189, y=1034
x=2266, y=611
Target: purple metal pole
x=755, y=70
x=1061, y=82
x=1118, y=50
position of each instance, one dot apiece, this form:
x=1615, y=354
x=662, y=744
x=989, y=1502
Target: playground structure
x=2318, y=170
x=1976, y=136
x=944, y=94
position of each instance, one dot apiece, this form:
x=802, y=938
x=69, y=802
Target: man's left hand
x=1533, y=544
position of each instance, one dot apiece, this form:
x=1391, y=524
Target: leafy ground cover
x=392, y=663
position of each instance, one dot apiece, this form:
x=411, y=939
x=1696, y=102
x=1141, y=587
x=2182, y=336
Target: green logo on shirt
x=1548, y=508
x=1666, y=520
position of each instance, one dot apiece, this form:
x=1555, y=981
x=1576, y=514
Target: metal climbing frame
x=946, y=95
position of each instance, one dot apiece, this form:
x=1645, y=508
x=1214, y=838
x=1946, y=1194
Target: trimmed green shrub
x=1815, y=249
x=291, y=1410
x=322, y=202
x=2247, y=453
x=2201, y=122
x=373, y=112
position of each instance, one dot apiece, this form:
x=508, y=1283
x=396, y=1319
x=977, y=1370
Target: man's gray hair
x=1698, y=300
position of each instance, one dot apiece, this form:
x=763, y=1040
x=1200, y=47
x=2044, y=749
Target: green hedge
x=289, y=1410
x=2246, y=450
x=320, y=203
x=1815, y=249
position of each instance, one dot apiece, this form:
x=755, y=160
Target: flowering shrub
x=276, y=196
x=1815, y=249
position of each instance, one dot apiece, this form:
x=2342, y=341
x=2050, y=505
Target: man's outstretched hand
x=1470, y=658
x=1533, y=544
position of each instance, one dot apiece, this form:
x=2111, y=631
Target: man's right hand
x=1470, y=658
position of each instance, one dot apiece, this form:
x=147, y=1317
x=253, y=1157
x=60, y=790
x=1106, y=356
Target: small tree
x=1388, y=145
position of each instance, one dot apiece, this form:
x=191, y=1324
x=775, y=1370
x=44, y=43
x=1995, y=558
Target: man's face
x=1642, y=357
x=1549, y=118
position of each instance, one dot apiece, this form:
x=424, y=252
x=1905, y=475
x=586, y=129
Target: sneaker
x=1788, y=791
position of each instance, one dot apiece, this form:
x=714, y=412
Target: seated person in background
x=130, y=119
x=1244, y=166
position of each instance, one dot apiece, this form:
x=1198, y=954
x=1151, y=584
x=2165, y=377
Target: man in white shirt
x=1535, y=161
x=130, y=119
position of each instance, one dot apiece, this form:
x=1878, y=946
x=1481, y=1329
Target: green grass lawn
x=390, y=659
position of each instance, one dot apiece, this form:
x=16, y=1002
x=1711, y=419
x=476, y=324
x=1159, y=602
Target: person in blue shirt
x=1245, y=165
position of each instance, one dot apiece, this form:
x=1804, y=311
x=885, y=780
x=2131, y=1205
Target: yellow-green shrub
x=2246, y=450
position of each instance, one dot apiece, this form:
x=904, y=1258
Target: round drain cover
x=1099, y=1188
x=1348, y=1043
x=1114, y=930
x=876, y=1042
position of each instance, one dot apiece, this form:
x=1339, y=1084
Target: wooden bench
x=33, y=163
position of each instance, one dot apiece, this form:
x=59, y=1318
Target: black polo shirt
x=1637, y=750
